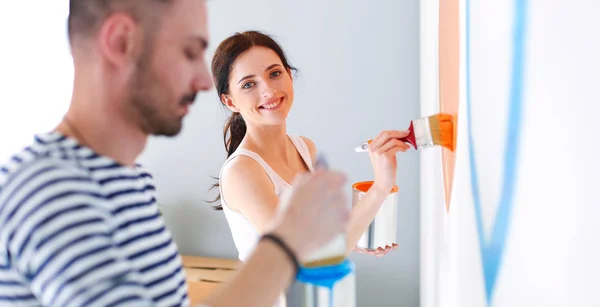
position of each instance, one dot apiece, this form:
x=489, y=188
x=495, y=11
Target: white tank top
x=244, y=235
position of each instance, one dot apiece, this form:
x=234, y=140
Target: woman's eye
x=275, y=74
x=247, y=85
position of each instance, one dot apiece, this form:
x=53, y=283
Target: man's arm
x=316, y=211
x=266, y=274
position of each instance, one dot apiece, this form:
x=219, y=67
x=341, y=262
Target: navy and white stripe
x=78, y=229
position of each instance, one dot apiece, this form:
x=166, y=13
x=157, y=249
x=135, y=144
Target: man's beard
x=148, y=97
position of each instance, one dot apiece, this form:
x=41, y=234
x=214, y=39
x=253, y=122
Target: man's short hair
x=86, y=16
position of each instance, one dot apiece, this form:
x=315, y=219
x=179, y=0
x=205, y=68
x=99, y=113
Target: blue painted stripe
x=492, y=251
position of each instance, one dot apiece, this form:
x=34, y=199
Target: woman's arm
x=382, y=152
x=248, y=189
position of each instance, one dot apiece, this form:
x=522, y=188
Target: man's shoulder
x=22, y=167
x=27, y=177
x=48, y=151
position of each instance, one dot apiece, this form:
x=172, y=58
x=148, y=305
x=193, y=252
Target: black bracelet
x=285, y=248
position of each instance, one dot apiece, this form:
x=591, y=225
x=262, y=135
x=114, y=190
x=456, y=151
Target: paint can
x=343, y=294
x=383, y=229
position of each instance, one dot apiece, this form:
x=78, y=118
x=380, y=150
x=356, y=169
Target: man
x=79, y=225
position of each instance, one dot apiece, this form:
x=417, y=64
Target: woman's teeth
x=271, y=105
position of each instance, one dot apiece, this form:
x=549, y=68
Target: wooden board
x=206, y=262
x=204, y=275
x=216, y=275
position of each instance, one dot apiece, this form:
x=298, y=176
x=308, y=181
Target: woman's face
x=260, y=87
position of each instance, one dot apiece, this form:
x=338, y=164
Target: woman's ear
x=289, y=71
x=228, y=102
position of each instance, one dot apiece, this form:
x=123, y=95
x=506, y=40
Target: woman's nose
x=267, y=91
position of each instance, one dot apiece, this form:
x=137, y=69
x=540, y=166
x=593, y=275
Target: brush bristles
x=442, y=130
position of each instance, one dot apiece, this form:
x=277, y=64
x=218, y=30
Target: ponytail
x=233, y=134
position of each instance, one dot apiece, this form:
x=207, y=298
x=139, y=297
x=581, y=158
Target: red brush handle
x=410, y=138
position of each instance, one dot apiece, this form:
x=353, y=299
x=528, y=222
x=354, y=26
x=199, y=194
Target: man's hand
x=313, y=211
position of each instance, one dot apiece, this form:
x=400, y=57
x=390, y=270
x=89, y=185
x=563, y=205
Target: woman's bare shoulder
x=312, y=148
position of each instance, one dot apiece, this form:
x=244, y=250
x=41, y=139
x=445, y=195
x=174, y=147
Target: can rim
x=364, y=186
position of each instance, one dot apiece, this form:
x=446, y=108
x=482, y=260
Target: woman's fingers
x=392, y=147
x=385, y=137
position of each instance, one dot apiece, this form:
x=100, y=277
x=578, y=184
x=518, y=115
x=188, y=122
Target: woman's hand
x=382, y=152
x=379, y=252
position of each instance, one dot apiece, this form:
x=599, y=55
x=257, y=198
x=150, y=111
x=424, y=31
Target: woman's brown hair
x=225, y=55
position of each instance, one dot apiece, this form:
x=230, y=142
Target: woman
x=253, y=79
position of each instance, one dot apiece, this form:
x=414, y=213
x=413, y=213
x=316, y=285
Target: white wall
x=35, y=70
x=359, y=74
x=549, y=255
x=433, y=213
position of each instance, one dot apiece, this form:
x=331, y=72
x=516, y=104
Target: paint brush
x=321, y=162
x=426, y=132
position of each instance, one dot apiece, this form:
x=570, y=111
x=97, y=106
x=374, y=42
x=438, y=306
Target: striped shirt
x=79, y=229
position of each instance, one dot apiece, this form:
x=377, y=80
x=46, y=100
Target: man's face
x=171, y=69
